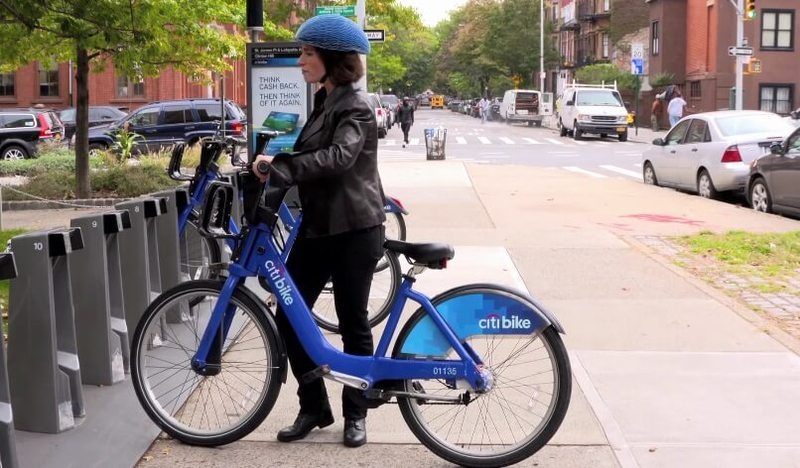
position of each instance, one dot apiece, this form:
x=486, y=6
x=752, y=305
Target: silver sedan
x=710, y=152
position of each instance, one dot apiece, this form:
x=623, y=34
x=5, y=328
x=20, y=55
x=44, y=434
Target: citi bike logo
x=282, y=287
x=498, y=322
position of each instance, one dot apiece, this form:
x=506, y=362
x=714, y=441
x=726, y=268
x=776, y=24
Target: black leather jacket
x=335, y=165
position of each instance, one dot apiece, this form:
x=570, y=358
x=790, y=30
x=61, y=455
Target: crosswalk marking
x=584, y=171
x=515, y=140
x=413, y=141
x=484, y=140
x=581, y=143
x=461, y=140
x=622, y=171
x=390, y=143
x=531, y=141
x=507, y=141
x=554, y=141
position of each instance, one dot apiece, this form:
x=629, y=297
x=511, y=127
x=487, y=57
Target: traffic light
x=749, y=9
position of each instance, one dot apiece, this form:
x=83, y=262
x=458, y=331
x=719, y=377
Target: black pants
x=405, y=127
x=349, y=261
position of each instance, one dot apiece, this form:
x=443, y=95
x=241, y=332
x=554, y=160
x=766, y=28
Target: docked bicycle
x=480, y=372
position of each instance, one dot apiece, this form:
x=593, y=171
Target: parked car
x=163, y=124
x=98, y=115
x=773, y=185
x=380, y=115
x=711, y=152
x=19, y=134
x=50, y=126
x=454, y=105
x=596, y=109
x=390, y=103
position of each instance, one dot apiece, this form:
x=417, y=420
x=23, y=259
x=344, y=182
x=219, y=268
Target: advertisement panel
x=278, y=99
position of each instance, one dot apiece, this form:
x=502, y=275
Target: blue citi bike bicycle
x=479, y=372
x=201, y=257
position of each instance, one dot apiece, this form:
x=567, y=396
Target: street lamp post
x=541, y=45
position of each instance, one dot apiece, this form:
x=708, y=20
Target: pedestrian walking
x=335, y=166
x=405, y=115
x=675, y=108
x=483, y=105
x=655, y=112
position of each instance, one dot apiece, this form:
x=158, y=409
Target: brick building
x=690, y=39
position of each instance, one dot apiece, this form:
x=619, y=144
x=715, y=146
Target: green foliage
x=660, y=80
x=627, y=16
x=606, y=73
x=62, y=159
x=125, y=143
x=5, y=236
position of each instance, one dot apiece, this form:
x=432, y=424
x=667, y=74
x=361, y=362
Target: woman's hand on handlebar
x=259, y=168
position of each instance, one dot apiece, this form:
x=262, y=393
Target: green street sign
x=349, y=10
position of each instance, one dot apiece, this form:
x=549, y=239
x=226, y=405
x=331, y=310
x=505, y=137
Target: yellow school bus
x=437, y=102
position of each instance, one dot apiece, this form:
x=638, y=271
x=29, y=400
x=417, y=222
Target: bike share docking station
x=43, y=367
x=103, y=343
x=8, y=448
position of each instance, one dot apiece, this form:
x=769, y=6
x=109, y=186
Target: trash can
x=435, y=139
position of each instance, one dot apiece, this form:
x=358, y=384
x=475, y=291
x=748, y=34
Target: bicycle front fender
x=473, y=310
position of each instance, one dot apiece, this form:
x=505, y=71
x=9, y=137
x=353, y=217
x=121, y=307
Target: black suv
x=98, y=115
x=165, y=123
x=19, y=134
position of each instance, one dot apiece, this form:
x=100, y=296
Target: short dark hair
x=341, y=67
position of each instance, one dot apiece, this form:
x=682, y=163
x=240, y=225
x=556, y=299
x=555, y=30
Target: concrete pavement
x=667, y=372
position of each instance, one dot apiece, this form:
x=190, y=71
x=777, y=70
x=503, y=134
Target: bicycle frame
x=259, y=255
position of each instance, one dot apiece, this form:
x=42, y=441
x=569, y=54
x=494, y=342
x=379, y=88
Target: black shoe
x=355, y=432
x=304, y=424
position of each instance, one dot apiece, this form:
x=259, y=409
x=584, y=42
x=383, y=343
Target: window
x=210, y=112
x=654, y=38
x=18, y=121
x=606, y=5
x=695, y=90
x=177, y=115
x=675, y=136
x=48, y=80
x=793, y=146
x=776, y=98
x=127, y=88
x=7, y=84
x=698, y=132
x=777, y=30
x=605, y=45
x=148, y=116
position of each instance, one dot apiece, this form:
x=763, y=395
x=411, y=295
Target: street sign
x=734, y=51
x=347, y=10
x=375, y=35
x=637, y=58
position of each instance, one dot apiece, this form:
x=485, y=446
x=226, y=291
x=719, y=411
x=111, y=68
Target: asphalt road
x=499, y=143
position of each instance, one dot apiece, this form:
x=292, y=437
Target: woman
x=336, y=170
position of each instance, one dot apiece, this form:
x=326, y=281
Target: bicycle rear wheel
x=383, y=289
x=196, y=409
x=201, y=257
x=530, y=395
x=395, y=229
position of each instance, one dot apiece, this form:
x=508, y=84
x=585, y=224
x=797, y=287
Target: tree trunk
x=83, y=187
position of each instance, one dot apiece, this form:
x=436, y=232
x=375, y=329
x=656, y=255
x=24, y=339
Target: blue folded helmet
x=333, y=32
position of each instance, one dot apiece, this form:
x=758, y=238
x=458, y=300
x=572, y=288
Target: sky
x=433, y=11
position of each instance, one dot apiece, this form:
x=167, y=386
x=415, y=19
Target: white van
x=526, y=105
x=596, y=109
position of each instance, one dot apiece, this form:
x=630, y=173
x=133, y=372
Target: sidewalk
x=667, y=371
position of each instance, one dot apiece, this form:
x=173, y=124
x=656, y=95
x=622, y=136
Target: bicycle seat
x=431, y=255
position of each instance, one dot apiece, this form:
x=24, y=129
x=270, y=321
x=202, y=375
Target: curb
x=60, y=204
x=774, y=331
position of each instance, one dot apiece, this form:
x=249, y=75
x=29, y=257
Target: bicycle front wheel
x=526, y=404
x=382, y=291
x=196, y=409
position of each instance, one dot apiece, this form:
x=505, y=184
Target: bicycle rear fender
x=471, y=310
x=393, y=205
x=271, y=320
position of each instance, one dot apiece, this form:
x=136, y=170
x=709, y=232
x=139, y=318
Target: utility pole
x=361, y=17
x=739, y=58
x=541, y=46
x=255, y=19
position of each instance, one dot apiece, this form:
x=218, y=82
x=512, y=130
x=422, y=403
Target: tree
x=606, y=73
x=139, y=37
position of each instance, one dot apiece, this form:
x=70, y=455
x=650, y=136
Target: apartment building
x=690, y=39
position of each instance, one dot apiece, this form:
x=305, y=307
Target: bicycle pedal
x=320, y=371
